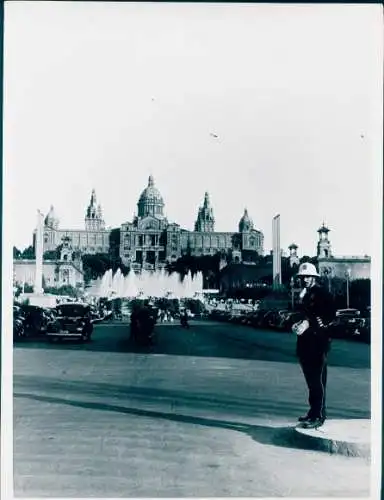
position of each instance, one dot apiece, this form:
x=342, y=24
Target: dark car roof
x=69, y=304
x=30, y=308
x=347, y=312
x=73, y=306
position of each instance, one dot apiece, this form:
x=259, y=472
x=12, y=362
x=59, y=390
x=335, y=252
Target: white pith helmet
x=308, y=269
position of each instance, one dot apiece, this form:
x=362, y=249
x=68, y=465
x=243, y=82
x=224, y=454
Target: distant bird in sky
x=214, y=135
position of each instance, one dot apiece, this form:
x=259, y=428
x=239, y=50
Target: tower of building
x=246, y=223
x=205, y=222
x=94, y=216
x=293, y=257
x=324, y=249
x=66, y=249
x=51, y=221
x=150, y=202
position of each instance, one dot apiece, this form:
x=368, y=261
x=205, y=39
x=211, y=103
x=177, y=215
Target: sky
x=101, y=95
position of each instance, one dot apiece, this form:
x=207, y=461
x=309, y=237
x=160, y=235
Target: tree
x=250, y=256
x=287, y=271
x=27, y=288
x=96, y=265
x=118, y=264
x=53, y=254
x=208, y=265
x=16, y=253
x=67, y=290
x=50, y=255
x=28, y=253
x=361, y=293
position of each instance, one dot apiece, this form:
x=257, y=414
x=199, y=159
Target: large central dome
x=150, y=202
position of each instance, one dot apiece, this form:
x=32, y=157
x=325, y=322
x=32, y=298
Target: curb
x=344, y=437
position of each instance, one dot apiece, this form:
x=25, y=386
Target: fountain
x=147, y=284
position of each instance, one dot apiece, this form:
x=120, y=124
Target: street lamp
x=328, y=272
x=292, y=293
x=348, y=275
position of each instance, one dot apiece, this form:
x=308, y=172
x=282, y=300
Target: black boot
x=313, y=423
x=304, y=418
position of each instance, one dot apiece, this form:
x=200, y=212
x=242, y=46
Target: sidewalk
x=350, y=437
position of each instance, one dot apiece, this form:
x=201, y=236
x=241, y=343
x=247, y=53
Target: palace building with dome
x=149, y=241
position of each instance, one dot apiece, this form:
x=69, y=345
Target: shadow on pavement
x=255, y=405
x=277, y=436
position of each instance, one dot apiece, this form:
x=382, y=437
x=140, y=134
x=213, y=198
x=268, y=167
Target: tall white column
x=39, y=254
x=276, y=252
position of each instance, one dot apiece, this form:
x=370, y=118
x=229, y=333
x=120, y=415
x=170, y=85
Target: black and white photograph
x=192, y=250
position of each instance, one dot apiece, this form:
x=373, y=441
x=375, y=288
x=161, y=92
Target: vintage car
x=35, y=319
x=18, y=323
x=71, y=321
x=347, y=324
x=288, y=320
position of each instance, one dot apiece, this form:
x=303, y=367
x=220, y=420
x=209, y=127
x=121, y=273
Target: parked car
x=255, y=317
x=277, y=319
x=272, y=319
x=220, y=315
x=18, y=323
x=263, y=319
x=95, y=314
x=71, y=321
x=365, y=331
x=349, y=315
x=36, y=319
x=289, y=319
x=347, y=323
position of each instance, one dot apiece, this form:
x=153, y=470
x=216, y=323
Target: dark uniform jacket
x=318, y=309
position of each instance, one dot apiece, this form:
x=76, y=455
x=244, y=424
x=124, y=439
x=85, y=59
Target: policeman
x=313, y=342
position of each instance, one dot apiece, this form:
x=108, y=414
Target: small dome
x=151, y=194
x=246, y=222
x=323, y=229
x=51, y=220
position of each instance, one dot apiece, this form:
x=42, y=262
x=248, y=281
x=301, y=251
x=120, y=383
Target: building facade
x=94, y=238
x=335, y=266
x=66, y=270
x=340, y=266
x=55, y=273
x=150, y=240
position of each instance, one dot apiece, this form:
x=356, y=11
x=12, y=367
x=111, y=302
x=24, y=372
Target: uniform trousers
x=312, y=351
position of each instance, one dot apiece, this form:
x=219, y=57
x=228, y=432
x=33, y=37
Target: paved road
x=203, y=413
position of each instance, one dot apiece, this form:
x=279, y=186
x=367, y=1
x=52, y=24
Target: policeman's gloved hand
x=300, y=327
